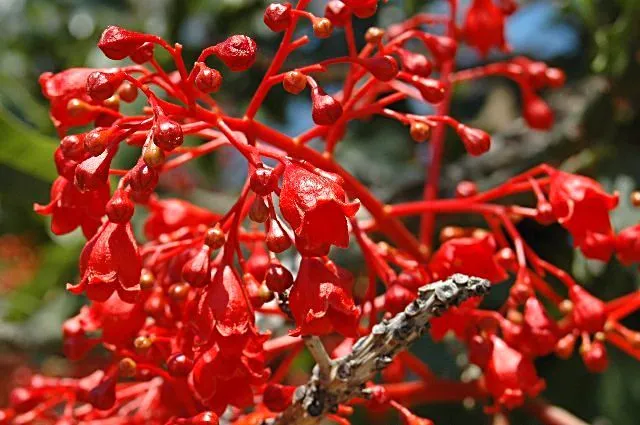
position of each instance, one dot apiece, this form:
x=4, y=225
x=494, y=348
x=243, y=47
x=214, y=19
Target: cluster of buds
x=176, y=307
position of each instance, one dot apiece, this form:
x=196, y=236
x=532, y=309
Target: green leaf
x=26, y=150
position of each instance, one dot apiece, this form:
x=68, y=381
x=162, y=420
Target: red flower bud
x=431, y=90
x=278, y=278
x=415, y=63
x=628, y=245
x=196, y=271
x=258, y=262
x=397, y=298
x=383, y=68
x=208, y=80
x=555, y=77
x=277, y=16
x=277, y=240
x=102, y=85
x=595, y=357
x=202, y=418
x=475, y=141
x=325, y=110
x=143, y=54
x=96, y=141
x=167, y=134
x=120, y=208
x=565, y=345
x=278, y=397
x=73, y=146
x=338, y=13
x=143, y=179
x=118, y=43
x=103, y=395
x=588, y=311
x=263, y=181
x=536, y=112
x=238, y=52
x=466, y=189
x=484, y=26
x=179, y=365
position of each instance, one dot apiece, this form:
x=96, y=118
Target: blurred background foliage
x=597, y=42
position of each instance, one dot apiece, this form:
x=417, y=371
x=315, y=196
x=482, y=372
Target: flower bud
x=117, y=43
x=179, y=365
x=127, y=367
x=325, y=110
x=537, y=113
x=595, y=357
x=72, y=146
x=96, y=141
x=420, y=131
x=367, y=10
x=77, y=108
x=167, y=134
x=208, y=80
x=128, y=92
x=259, y=211
x=215, y=237
x=431, y=90
x=277, y=16
x=374, y=35
x=196, y=271
x=238, y=52
x=262, y=181
x=338, y=13
x=120, y=209
x=322, y=28
x=294, y=82
x=103, y=395
x=143, y=54
x=383, y=68
x=278, y=278
x=153, y=156
x=555, y=77
x=466, y=189
x=277, y=240
x=102, y=85
x=415, y=63
x=143, y=179
x=475, y=141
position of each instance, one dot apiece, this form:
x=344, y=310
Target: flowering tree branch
x=372, y=353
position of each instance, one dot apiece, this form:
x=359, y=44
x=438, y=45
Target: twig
x=346, y=377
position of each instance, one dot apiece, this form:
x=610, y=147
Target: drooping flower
x=538, y=334
x=314, y=203
x=169, y=215
x=220, y=378
x=510, y=376
x=582, y=207
x=469, y=255
x=484, y=26
x=628, y=245
x=69, y=208
x=110, y=263
x=321, y=300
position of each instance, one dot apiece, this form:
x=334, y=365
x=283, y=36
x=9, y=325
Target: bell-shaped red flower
x=628, y=245
x=510, y=376
x=69, y=208
x=484, y=26
x=238, y=52
x=110, y=263
x=60, y=88
x=469, y=255
x=582, y=207
x=315, y=205
x=588, y=311
x=220, y=379
x=224, y=306
x=321, y=300
x=169, y=215
x=538, y=334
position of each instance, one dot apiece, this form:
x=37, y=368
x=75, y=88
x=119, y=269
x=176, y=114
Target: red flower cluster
x=195, y=317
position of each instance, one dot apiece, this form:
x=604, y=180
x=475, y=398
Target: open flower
x=321, y=300
x=110, y=263
x=582, y=207
x=315, y=205
x=69, y=208
x=469, y=255
x=510, y=376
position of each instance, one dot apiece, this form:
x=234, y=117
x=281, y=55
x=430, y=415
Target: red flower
x=69, y=208
x=224, y=306
x=510, y=376
x=220, y=379
x=582, y=207
x=169, y=215
x=321, y=300
x=397, y=298
x=628, y=245
x=315, y=205
x=538, y=334
x=468, y=255
x=588, y=311
x=60, y=88
x=484, y=26
x=110, y=262
x=456, y=319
